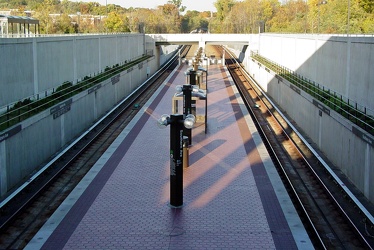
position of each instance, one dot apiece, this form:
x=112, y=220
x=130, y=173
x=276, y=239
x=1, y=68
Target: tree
x=253, y=9
x=237, y=19
x=268, y=8
x=116, y=23
x=169, y=17
x=223, y=8
x=296, y=16
x=178, y=4
x=64, y=25
x=367, y=5
x=290, y=17
x=194, y=20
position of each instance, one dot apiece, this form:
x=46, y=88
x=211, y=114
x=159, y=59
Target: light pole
x=318, y=4
x=177, y=122
x=306, y=16
x=78, y=15
x=106, y=18
x=349, y=16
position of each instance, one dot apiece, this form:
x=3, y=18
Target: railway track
x=27, y=211
x=332, y=219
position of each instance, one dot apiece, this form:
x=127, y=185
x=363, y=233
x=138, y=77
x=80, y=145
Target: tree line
x=231, y=16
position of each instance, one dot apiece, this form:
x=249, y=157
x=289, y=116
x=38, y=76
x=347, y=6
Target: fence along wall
x=36, y=139
x=26, y=146
x=32, y=66
x=343, y=64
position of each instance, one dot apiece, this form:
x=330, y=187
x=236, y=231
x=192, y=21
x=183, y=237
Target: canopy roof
x=19, y=19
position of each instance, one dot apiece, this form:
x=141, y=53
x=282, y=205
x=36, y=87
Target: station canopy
x=18, y=25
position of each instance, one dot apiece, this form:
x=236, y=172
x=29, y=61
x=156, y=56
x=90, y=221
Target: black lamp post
x=177, y=124
x=187, y=90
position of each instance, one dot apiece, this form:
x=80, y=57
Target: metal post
x=187, y=89
x=185, y=152
x=176, y=157
x=193, y=75
x=179, y=57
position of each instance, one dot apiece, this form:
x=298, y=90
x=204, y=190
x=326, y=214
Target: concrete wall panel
x=126, y=83
x=16, y=70
x=42, y=135
x=361, y=77
x=165, y=52
x=41, y=64
x=88, y=58
x=331, y=133
x=25, y=149
x=108, y=49
x=343, y=64
x=369, y=173
x=54, y=63
x=79, y=117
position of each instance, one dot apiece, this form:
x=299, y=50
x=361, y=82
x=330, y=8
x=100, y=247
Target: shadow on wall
x=317, y=80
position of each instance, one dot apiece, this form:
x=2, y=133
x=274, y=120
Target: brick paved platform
x=233, y=197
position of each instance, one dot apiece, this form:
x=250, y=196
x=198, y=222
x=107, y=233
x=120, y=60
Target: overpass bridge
x=201, y=39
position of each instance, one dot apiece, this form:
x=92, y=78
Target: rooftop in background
x=23, y=25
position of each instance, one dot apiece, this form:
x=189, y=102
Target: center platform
x=233, y=196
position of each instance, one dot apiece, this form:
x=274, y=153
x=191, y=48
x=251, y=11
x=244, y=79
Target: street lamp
x=349, y=16
x=177, y=124
x=106, y=18
x=318, y=4
x=78, y=21
x=306, y=16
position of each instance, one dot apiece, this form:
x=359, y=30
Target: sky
x=203, y=5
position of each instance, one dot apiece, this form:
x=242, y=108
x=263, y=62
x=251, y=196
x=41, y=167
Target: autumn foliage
x=231, y=16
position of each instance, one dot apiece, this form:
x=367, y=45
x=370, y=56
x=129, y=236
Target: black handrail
x=341, y=105
x=27, y=108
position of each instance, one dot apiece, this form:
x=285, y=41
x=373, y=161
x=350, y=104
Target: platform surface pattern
x=230, y=201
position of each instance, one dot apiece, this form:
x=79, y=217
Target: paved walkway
x=233, y=197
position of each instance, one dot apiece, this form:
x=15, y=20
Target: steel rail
x=238, y=66
x=272, y=152
x=126, y=102
x=342, y=185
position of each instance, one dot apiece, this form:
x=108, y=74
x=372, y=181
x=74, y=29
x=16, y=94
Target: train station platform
x=233, y=197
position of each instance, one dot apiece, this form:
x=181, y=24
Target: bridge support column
x=157, y=55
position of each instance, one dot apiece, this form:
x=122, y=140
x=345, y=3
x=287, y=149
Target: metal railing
x=349, y=109
x=29, y=107
x=22, y=35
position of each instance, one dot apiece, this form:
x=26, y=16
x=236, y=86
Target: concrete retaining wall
x=36, y=139
x=335, y=136
x=26, y=146
x=33, y=66
x=350, y=148
x=342, y=64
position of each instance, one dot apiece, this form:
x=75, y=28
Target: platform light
x=177, y=142
x=197, y=92
x=162, y=122
x=178, y=89
x=189, y=121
